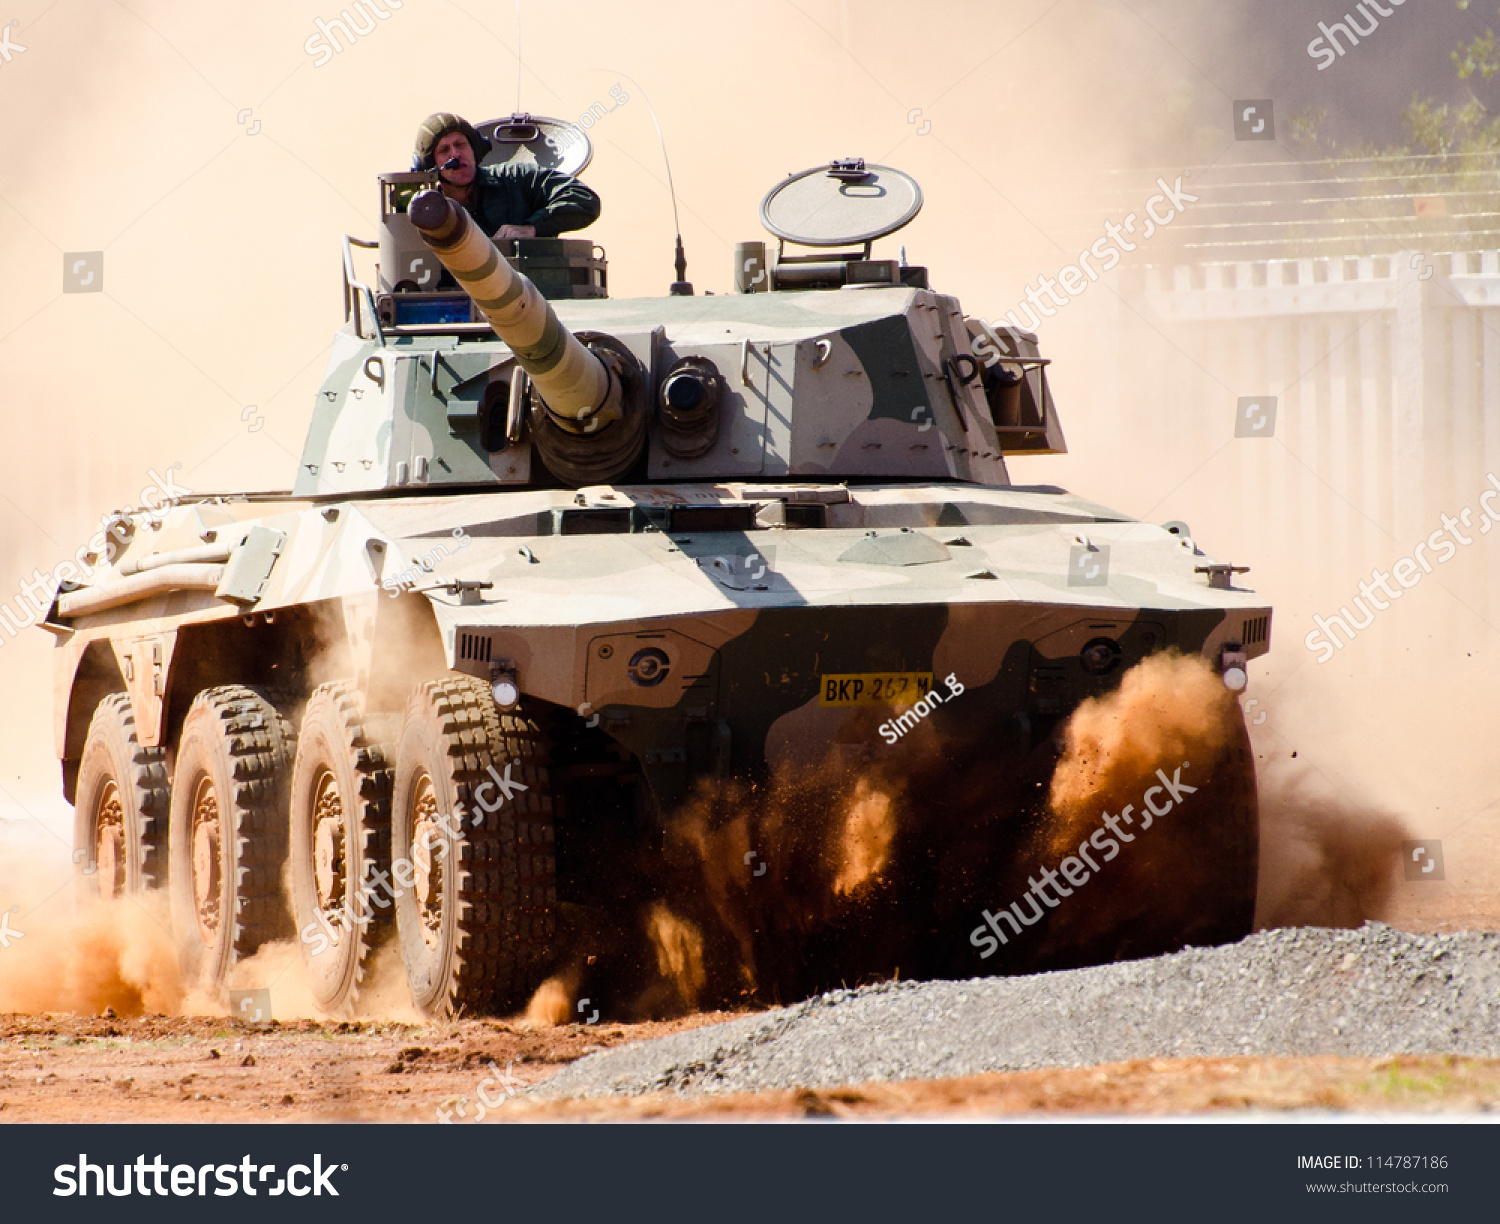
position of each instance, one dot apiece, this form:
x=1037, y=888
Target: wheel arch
x=285, y=651
x=96, y=676
x=290, y=650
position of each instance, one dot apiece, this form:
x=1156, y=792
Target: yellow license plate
x=874, y=688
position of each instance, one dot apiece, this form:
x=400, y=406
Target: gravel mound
x=1370, y=992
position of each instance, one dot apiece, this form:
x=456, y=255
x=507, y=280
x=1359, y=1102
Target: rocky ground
x=1367, y=993
x=1375, y=1021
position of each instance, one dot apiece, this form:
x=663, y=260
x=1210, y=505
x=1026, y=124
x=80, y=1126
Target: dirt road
x=60, y=1068
x=154, y=1069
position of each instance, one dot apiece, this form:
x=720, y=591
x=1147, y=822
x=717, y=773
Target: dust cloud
x=866, y=867
x=1325, y=860
x=69, y=953
x=116, y=954
x=856, y=870
x=679, y=954
x=553, y=1001
x=1170, y=708
x=865, y=845
x=863, y=869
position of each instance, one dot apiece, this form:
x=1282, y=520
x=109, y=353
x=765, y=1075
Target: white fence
x=1386, y=371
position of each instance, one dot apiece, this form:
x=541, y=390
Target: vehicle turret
x=829, y=366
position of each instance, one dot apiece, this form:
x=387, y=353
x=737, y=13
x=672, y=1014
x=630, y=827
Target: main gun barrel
x=572, y=381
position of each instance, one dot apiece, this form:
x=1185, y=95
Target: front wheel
x=472, y=853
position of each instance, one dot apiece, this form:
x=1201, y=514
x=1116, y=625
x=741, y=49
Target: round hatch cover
x=839, y=203
x=553, y=144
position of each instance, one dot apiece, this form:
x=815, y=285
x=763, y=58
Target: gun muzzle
x=573, y=382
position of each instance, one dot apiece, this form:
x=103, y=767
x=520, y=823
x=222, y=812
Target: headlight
x=1100, y=657
x=1232, y=666
x=505, y=688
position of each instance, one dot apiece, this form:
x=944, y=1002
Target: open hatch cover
x=553, y=144
x=840, y=203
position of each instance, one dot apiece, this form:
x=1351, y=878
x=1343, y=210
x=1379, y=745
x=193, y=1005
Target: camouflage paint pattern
x=853, y=517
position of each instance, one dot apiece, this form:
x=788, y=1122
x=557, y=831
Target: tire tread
x=507, y=891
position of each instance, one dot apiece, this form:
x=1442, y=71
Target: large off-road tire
x=228, y=830
x=478, y=921
x=120, y=818
x=339, y=842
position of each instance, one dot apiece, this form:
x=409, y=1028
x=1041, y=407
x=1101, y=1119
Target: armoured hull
x=564, y=589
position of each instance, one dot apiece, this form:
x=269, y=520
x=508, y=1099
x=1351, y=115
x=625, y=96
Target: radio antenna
x=681, y=287
x=518, y=57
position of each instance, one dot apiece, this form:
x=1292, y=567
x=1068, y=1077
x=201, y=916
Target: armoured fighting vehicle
x=553, y=562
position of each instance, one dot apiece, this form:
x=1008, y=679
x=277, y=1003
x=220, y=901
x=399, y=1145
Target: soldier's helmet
x=434, y=128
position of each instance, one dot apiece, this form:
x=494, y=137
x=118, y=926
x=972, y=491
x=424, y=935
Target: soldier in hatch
x=511, y=201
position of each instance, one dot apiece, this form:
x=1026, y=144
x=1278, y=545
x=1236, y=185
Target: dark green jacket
x=528, y=195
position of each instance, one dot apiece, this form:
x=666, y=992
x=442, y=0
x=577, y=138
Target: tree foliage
x=1447, y=172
